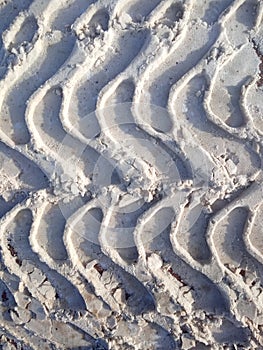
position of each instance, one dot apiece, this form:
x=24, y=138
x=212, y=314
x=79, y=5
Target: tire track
x=147, y=232
x=31, y=272
x=59, y=46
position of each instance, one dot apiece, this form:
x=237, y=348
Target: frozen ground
x=131, y=196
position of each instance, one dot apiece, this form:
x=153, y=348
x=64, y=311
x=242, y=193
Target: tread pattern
x=177, y=285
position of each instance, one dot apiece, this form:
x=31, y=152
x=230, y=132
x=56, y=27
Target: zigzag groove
x=131, y=188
